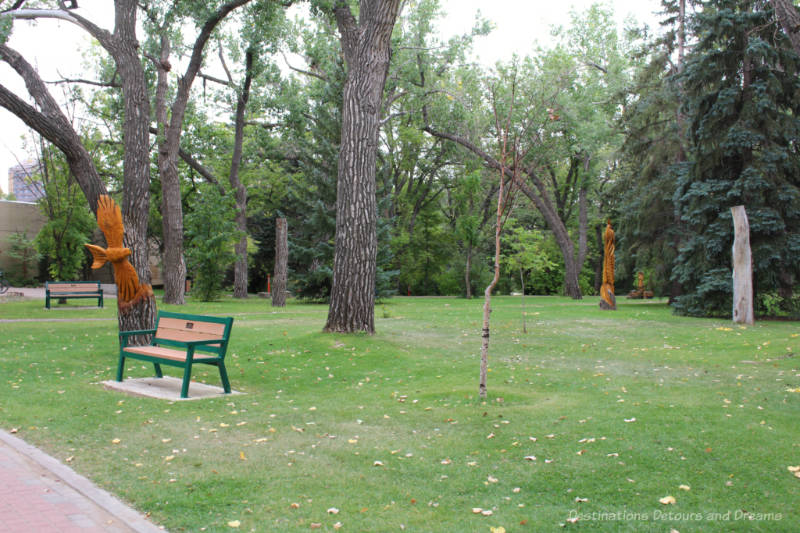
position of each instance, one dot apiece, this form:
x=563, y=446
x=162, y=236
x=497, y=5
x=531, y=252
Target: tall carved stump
x=742, y=268
x=607, y=299
x=281, y=262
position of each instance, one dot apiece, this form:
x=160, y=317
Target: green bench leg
x=47, y=301
x=187, y=377
x=223, y=374
x=159, y=374
x=120, y=367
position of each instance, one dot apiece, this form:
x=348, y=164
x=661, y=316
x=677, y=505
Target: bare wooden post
x=742, y=268
x=281, y=261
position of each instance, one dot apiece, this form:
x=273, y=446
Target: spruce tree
x=743, y=101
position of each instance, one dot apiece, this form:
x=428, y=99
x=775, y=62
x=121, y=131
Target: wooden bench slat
x=165, y=353
x=196, y=326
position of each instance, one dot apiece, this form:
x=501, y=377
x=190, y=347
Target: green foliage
x=23, y=251
x=527, y=252
x=210, y=235
x=69, y=224
x=741, y=81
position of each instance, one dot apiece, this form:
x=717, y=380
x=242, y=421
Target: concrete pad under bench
x=166, y=388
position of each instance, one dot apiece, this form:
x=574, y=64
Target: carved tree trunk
x=52, y=125
x=608, y=300
x=366, y=47
x=281, y=263
x=742, y=268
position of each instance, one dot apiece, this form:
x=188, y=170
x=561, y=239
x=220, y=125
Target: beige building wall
x=17, y=217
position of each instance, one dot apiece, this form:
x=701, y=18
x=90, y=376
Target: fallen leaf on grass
x=477, y=510
x=234, y=523
x=333, y=510
x=530, y=457
x=115, y=441
x=794, y=470
x=667, y=500
x=492, y=479
x=242, y=456
x=629, y=420
x=377, y=463
x=685, y=487
x=500, y=529
x=487, y=512
x=337, y=525
x=294, y=506
x=316, y=525
x=581, y=500
x=14, y=430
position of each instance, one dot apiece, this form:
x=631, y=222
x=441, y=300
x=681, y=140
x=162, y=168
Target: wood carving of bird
x=109, y=218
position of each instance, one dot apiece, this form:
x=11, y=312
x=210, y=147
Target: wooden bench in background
x=181, y=340
x=73, y=289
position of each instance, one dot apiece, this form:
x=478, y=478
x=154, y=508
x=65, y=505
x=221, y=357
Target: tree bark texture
x=240, y=191
x=789, y=18
x=540, y=197
x=281, y=263
x=366, y=46
x=742, y=268
x=487, y=294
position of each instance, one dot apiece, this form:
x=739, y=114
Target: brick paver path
x=33, y=499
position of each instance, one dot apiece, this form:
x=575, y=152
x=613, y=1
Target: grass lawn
x=592, y=415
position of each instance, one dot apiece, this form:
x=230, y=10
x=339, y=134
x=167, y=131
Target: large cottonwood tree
x=49, y=121
x=366, y=43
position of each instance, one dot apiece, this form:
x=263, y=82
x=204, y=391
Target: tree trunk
x=281, y=262
x=467, y=273
x=487, y=294
x=522, y=282
x=240, y=191
x=789, y=18
x=174, y=271
x=742, y=268
x=172, y=208
x=124, y=49
x=366, y=47
x=583, y=226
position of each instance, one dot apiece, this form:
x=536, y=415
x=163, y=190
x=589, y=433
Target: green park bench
x=72, y=289
x=181, y=340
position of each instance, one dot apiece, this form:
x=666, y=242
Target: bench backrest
x=174, y=328
x=72, y=286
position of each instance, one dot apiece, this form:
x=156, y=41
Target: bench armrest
x=124, y=335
